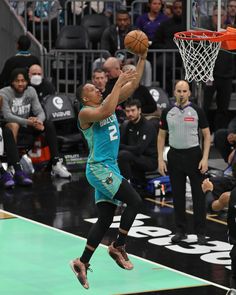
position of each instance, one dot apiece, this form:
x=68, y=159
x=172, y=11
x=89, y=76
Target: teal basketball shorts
x=106, y=179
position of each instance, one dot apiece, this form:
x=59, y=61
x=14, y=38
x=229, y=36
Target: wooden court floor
x=44, y=227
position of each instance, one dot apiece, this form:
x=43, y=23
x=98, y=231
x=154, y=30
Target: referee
x=182, y=122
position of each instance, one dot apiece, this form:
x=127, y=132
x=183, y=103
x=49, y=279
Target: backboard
x=199, y=13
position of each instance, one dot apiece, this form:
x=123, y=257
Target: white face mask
x=36, y=80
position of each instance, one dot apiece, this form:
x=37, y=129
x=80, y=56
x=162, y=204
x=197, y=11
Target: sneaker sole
x=114, y=257
x=76, y=273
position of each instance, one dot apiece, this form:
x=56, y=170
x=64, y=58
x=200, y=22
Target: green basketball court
x=35, y=261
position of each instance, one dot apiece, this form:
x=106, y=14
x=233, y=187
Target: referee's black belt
x=192, y=149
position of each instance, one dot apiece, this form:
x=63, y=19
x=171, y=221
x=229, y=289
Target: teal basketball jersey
x=102, y=171
x=103, y=139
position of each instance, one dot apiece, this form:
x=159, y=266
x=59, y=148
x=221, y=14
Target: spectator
x=22, y=59
x=150, y=21
x=230, y=201
x=113, y=36
x=19, y=8
x=164, y=34
x=163, y=39
x=99, y=80
x=13, y=159
x=185, y=158
x=42, y=85
x=42, y=17
x=222, y=85
x=138, y=149
x=231, y=13
x=168, y=10
x=113, y=41
x=225, y=140
x=23, y=113
x=113, y=69
x=80, y=8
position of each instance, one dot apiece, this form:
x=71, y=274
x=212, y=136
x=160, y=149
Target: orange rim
x=207, y=35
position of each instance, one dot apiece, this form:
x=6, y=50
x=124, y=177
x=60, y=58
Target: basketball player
x=98, y=122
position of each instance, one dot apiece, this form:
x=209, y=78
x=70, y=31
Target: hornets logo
x=109, y=179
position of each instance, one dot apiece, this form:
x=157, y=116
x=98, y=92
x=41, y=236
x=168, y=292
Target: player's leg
x=128, y=195
x=105, y=217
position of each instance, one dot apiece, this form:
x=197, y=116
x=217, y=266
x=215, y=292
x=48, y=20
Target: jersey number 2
x=113, y=132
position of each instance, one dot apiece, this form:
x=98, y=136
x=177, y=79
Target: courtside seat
x=160, y=96
x=95, y=24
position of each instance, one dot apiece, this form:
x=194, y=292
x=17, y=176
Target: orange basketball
x=136, y=42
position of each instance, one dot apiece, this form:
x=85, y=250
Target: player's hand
x=126, y=76
x=144, y=55
x=207, y=185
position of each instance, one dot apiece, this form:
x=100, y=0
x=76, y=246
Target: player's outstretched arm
x=108, y=105
x=129, y=88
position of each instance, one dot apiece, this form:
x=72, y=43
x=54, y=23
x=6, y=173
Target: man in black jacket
x=113, y=36
x=138, y=151
x=22, y=59
x=217, y=205
x=113, y=41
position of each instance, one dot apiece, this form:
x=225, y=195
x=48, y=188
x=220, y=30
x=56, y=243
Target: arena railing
x=46, y=28
x=110, y=8
x=46, y=31
x=70, y=68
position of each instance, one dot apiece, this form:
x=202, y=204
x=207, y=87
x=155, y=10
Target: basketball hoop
x=199, y=50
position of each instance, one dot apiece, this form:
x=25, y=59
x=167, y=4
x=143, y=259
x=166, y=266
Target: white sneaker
x=60, y=170
x=26, y=164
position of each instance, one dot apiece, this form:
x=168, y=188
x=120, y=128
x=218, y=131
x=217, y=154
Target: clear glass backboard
x=200, y=12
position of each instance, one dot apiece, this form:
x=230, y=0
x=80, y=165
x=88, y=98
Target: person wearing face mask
x=42, y=86
x=23, y=113
x=182, y=121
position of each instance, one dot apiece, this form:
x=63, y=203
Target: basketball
x=136, y=42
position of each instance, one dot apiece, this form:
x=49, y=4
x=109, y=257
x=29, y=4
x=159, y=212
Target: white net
x=199, y=57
